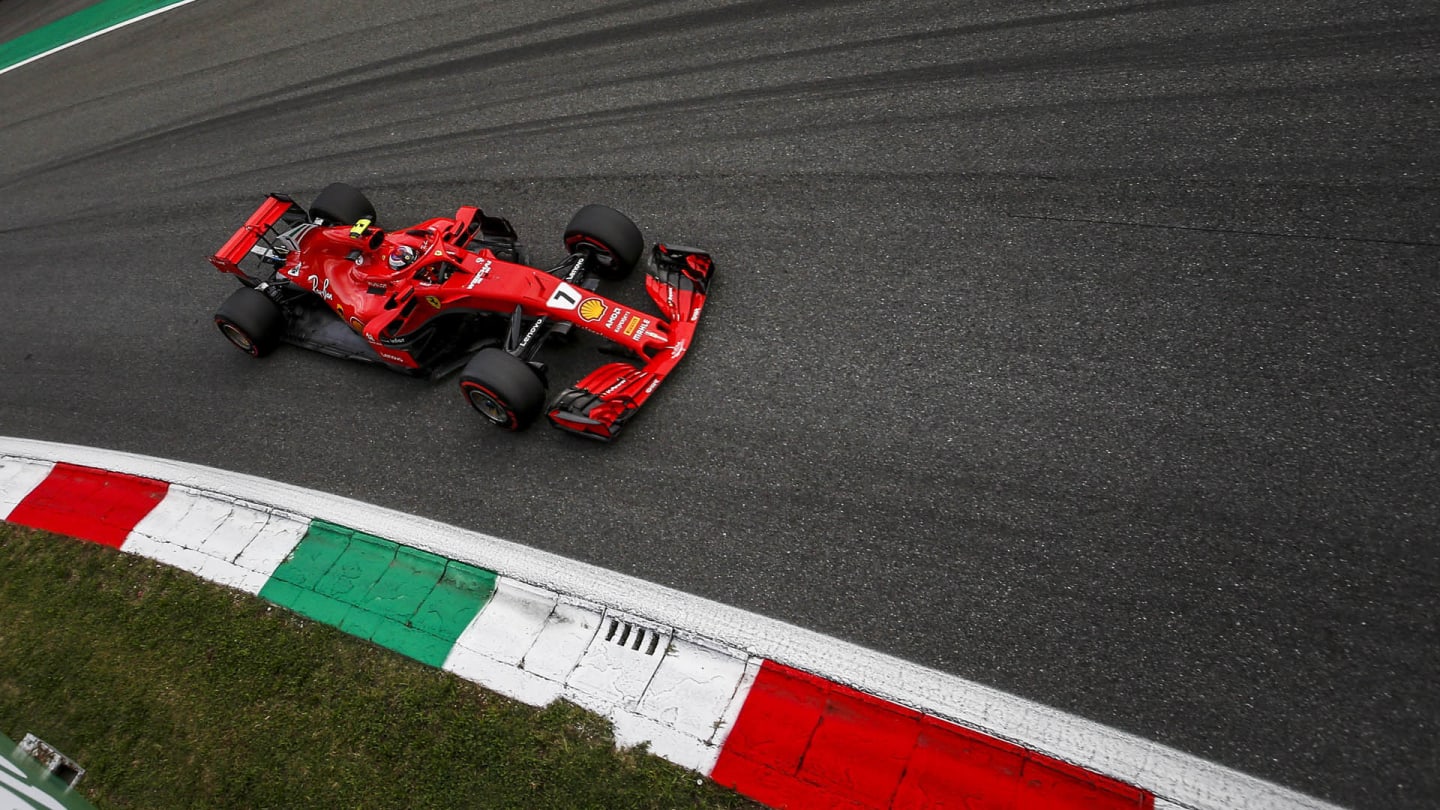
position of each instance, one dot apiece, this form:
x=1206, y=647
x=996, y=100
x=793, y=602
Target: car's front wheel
x=341, y=204
x=251, y=321
x=503, y=388
x=613, y=239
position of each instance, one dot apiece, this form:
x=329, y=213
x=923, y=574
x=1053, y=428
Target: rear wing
x=276, y=210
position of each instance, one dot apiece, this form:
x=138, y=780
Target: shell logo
x=591, y=309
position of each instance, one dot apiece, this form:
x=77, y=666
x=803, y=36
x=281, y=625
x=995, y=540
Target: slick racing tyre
x=503, y=388
x=341, y=204
x=251, y=321
x=615, y=240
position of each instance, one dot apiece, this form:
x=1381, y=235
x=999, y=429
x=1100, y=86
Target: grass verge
x=176, y=693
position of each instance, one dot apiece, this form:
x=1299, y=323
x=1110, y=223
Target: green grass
x=173, y=692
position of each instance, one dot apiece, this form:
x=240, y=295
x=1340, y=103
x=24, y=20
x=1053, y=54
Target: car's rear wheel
x=341, y=204
x=503, y=388
x=610, y=235
x=251, y=321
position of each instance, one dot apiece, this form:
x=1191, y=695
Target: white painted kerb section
x=680, y=697
x=18, y=477
x=221, y=539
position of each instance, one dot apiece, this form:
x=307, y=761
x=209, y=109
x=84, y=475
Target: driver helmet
x=402, y=256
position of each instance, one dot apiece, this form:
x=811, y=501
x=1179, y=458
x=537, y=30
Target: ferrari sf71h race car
x=455, y=292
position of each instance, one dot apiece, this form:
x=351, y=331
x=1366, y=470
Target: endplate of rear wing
x=274, y=217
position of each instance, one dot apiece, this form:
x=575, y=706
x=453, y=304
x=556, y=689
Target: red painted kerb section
x=88, y=503
x=804, y=742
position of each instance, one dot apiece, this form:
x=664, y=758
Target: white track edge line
x=1180, y=779
x=58, y=48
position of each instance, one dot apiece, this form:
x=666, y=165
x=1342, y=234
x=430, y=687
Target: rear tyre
x=614, y=239
x=341, y=204
x=503, y=388
x=251, y=321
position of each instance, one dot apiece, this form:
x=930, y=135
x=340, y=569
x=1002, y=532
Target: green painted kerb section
x=24, y=783
x=83, y=23
x=411, y=601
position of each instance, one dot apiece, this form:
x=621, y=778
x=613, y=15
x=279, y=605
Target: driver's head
x=402, y=256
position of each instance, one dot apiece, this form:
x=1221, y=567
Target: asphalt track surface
x=1087, y=351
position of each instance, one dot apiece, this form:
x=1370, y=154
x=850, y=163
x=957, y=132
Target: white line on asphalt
x=37, y=57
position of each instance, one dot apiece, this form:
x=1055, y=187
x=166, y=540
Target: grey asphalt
x=1088, y=351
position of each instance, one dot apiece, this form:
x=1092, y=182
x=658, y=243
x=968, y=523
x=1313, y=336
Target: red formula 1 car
x=454, y=292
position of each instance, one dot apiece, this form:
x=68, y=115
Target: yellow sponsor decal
x=591, y=309
x=631, y=324
x=432, y=301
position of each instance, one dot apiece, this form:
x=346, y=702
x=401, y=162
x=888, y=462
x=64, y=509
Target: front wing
x=599, y=406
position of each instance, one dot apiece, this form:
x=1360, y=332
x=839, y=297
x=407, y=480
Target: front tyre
x=251, y=321
x=341, y=204
x=503, y=388
x=614, y=240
